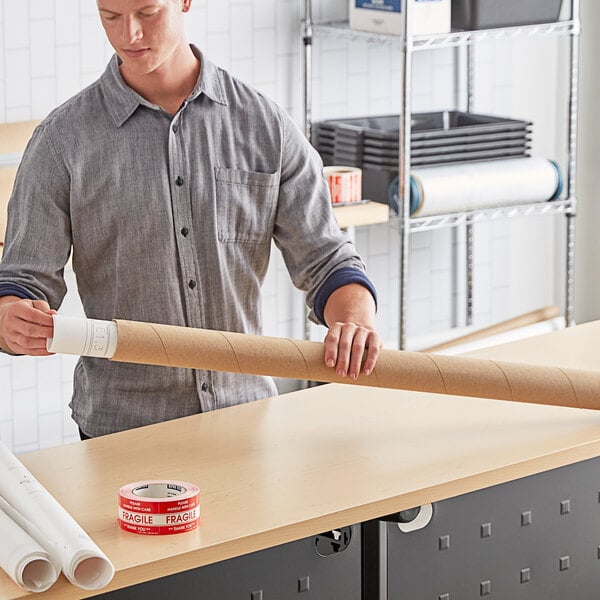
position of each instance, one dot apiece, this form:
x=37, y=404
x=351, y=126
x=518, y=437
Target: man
x=168, y=179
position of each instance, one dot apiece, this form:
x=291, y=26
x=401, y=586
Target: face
x=144, y=33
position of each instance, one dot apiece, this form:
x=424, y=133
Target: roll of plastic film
x=485, y=184
x=416, y=195
x=159, y=507
x=345, y=184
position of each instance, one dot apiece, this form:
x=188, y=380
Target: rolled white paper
x=82, y=562
x=29, y=528
x=23, y=559
x=83, y=337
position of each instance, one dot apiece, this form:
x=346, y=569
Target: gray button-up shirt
x=169, y=220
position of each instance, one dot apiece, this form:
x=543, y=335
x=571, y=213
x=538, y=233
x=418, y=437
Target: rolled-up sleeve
x=306, y=232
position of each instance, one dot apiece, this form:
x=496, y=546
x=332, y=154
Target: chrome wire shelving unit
x=408, y=45
x=488, y=214
x=340, y=29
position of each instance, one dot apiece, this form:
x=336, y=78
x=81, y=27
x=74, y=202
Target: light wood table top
x=285, y=468
x=14, y=136
x=574, y=347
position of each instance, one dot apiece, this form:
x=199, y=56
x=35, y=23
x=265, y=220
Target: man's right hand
x=25, y=325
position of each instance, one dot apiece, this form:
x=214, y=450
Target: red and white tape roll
x=345, y=184
x=159, y=507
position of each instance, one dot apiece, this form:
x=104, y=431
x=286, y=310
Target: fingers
x=25, y=325
x=350, y=349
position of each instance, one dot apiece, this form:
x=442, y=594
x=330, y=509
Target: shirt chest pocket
x=246, y=205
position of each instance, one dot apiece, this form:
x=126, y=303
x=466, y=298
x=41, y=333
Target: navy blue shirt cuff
x=336, y=280
x=12, y=289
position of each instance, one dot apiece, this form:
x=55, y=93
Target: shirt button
x=191, y=284
x=175, y=128
x=204, y=386
x=179, y=181
x=184, y=231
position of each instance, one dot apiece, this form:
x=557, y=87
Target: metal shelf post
x=572, y=166
x=404, y=172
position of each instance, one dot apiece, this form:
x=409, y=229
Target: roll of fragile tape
x=159, y=507
x=345, y=184
x=148, y=523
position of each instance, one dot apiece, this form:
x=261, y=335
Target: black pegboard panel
x=536, y=538
x=325, y=567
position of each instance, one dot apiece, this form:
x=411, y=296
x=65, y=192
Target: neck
x=171, y=83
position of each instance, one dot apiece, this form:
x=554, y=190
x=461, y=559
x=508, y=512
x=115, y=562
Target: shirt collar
x=210, y=80
x=122, y=101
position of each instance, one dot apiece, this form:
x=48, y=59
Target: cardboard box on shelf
x=387, y=16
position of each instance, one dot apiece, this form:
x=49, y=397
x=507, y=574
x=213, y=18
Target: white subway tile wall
x=50, y=49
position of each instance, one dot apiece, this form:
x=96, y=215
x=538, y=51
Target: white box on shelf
x=387, y=16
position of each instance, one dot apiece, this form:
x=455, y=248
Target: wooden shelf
x=365, y=213
x=7, y=178
x=13, y=140
x=14, y=136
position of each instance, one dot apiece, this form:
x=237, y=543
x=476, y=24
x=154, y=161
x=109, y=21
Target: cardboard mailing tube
x=168, y=345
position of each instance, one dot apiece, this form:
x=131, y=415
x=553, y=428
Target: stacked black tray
x=484, y=14
x=437, y=138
